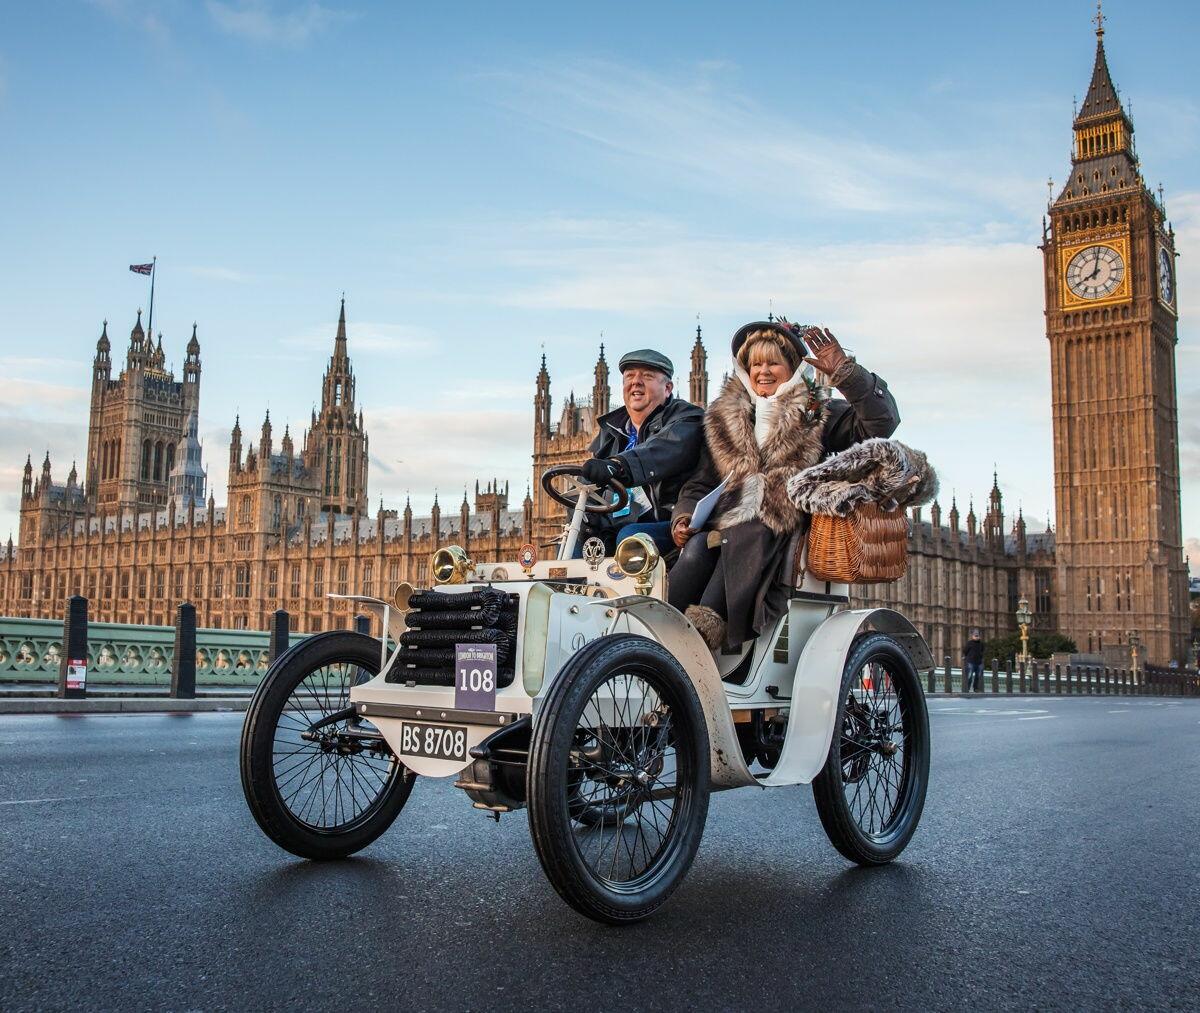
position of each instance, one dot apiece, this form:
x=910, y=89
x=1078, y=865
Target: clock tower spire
x=1111, y=324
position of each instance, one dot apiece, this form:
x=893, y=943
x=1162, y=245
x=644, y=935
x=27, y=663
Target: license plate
x=442, y=742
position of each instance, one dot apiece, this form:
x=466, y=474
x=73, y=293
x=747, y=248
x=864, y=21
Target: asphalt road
x=1056, y=866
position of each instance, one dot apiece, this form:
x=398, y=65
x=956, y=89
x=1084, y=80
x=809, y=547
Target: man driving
x=651, y=446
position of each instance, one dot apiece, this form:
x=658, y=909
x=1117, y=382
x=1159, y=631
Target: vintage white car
x=570, y=687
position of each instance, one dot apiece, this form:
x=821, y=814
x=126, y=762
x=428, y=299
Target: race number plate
x=442, y=742
x=475, y=677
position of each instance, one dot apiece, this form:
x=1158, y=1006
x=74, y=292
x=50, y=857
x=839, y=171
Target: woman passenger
x=770, y=421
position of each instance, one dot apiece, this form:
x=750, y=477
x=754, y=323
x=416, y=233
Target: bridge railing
x=1043, y=677
x=31, y=651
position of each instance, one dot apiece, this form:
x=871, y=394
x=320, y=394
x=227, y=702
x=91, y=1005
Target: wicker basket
x=870, y=546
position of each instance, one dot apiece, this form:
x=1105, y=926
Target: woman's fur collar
x=885, y=472
x=757, y=474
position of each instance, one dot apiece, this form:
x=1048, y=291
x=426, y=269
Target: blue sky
x=484, y=180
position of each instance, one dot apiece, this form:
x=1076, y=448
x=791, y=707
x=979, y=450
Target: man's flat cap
x=648, y=358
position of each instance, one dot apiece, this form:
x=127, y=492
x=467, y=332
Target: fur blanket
x=758, y=475
x=879, y=471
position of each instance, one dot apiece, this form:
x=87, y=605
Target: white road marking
x=1040, y=717
x=33, y=801
x=1123, y=710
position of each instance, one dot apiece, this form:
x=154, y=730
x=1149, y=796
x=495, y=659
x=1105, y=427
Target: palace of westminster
x=139, y=534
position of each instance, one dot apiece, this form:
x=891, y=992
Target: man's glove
x=599, y=471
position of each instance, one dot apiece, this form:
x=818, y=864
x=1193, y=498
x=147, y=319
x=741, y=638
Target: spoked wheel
x=617, y=781
x=871, y=791
x=320, y=783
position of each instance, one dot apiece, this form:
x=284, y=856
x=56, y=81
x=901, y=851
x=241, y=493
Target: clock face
x=1166, y=282
x=1095, y=272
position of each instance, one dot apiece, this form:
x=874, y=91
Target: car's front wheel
x=618, y=778
x=320, y=783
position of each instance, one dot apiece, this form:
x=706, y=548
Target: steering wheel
x=595, y=502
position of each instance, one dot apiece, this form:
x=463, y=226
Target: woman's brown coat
x=754, y=515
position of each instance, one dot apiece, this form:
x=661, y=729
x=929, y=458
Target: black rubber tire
x=837, y=817
x=266, y=803
x=549, y=789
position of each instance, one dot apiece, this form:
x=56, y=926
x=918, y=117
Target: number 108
x=476, y=680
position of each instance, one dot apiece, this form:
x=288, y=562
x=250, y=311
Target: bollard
x=995, y=675
x=1022, y=683
x=1089, y=673
x=1123, y=682
x=931, y=678
x=949, y=683
x=183, y=665
x=362, y=624
x=72, y=666
x=279, y=635
x=1008, y=666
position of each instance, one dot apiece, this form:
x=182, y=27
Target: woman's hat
x=788, y=331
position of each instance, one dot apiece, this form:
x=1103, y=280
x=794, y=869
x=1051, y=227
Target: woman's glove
x=681, y=531
x=828, y=356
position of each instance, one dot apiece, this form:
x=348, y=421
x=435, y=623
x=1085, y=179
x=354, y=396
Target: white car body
x=795, y=672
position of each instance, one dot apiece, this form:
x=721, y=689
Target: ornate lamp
x=1024, y=620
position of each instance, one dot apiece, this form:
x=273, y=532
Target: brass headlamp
x=637, y=556
x=450, y=565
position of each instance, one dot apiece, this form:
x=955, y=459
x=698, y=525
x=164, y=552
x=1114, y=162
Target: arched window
x=276, y=512
x=170, y=460
x=158, y=455
x=145, y=460
x=244, y=510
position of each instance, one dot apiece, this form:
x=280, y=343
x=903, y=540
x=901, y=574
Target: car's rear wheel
x=617, y=780
x=320, y=783
x=871, y=791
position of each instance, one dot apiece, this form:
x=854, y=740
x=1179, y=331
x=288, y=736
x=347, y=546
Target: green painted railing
x=31, y=649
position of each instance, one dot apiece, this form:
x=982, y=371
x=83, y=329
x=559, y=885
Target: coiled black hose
x=443, y=602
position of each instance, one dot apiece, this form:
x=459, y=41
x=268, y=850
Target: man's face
x=644, y=389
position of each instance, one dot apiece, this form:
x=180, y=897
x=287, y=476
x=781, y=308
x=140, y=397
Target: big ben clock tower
x=1111, y=323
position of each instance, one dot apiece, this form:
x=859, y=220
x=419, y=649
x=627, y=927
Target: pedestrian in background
x=973, y=664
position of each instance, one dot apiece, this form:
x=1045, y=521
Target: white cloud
x=684, y=130
x=419, y=449
x=261, y=21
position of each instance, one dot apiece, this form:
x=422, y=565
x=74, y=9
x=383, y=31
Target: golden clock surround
x=1122, y=293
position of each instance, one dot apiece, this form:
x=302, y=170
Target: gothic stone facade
x=296, y=527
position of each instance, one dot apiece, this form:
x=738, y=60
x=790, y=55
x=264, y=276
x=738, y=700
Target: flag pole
x=153, y=271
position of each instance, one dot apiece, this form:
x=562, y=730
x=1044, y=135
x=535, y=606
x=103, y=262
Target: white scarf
x=765, y=407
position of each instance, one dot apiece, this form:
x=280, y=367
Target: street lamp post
x=1024, y=619
x=1134, y=644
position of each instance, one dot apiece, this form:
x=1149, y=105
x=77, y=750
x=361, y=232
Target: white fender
x=657, y=620
x=815, y=692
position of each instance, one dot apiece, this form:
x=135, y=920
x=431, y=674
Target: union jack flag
x=141, y=268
